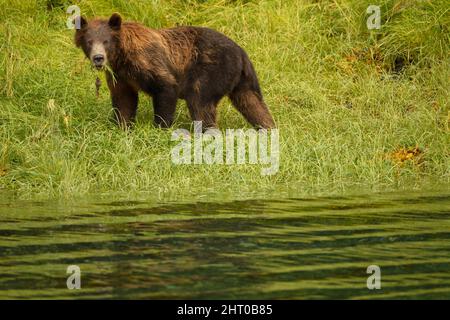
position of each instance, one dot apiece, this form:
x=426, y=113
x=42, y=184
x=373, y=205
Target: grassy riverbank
x=354, y=107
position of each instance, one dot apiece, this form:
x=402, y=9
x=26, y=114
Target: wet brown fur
x=196, y=64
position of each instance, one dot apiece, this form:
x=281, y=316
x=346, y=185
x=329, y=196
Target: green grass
x=330, y=83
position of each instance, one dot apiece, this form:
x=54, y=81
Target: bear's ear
x=80, y=22
x=115, y=21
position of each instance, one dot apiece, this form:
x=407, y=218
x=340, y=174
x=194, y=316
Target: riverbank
x=354, y=107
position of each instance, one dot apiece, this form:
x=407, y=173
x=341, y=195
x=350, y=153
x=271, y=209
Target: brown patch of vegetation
x=403, y=155
x=370, y=56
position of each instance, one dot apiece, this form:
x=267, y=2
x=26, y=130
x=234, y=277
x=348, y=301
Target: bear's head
x=98, y=38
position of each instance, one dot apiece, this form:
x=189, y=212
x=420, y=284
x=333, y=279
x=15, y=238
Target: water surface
x=287, y=248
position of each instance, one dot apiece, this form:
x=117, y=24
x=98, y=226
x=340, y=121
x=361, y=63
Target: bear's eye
x=90, y=42
x=105, y=42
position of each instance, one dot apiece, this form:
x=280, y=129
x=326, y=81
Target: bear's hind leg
x=251, y=105
x=204, y=110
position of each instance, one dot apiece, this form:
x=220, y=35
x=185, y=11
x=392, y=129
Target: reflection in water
x=297, y=248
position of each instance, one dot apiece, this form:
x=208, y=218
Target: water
x=292, y=248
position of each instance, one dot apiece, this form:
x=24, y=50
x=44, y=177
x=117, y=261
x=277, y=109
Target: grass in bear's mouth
x=336, y=90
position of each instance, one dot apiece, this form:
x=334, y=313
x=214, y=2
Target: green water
x=286, y=248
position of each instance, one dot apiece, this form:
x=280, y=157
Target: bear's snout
x=98, y=55
x=98, y=60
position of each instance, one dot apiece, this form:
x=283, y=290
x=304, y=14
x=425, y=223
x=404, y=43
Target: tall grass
x=341, y=101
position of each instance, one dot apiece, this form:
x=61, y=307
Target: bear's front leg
x=124, y=101
x=164, y=104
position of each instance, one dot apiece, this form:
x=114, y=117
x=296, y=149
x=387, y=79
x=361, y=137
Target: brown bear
x=196, y=64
